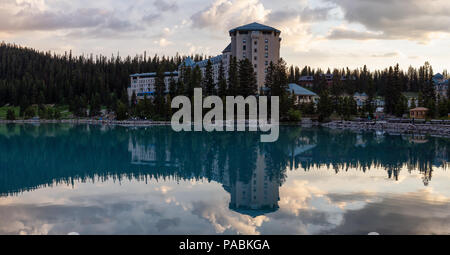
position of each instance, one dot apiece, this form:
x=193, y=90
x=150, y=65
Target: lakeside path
x=90, y=121
x=439, y=130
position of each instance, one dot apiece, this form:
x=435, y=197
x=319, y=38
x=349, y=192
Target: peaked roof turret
x=254, y=27
x=227, y=49
x=188, y=62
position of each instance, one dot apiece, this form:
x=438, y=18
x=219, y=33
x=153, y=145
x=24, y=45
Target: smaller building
x=143, y=84
x=379, y=101
x=440, y=84
x=412, y=97
x=360, y=99
x=306, y=81
x=418, y=113
x=302, y=95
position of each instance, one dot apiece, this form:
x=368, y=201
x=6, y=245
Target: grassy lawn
x=4, y=110
x=63, y=109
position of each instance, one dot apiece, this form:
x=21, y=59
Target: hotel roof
x=188, y=62
x=227, y=49
x=214, y=60
x=299, y=90
x=254, y=27
x=153, y=74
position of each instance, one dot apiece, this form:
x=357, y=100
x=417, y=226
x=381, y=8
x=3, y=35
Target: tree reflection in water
x=252, y=172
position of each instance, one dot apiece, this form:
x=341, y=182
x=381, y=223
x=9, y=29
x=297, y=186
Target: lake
x=61, y=178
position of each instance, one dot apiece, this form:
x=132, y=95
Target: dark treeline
x=388, y=83
x=364, y=80
x=241, y=81
x=29, y=77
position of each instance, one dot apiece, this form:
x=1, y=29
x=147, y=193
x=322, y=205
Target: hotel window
x=265, y=70
x=256, y=50
x=266, y=47
x=256, y=65
x=244, y=47
x=266, y=41
x=267, y=55
x=256, y=42
x=243, y=55
x=255, y=58
x=266, y=63
x=244, y=41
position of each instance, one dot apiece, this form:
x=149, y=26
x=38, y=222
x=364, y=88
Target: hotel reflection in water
x=251, y=172
x=256, y=197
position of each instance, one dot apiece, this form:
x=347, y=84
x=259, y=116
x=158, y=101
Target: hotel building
x=258, y=43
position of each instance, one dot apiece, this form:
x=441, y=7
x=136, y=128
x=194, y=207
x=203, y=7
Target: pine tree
x=428, y=92
x=159, y=97
x=121, y=113
x=292, y=74
x=222, y=82
x=95, y=107
x=279, y=78
x=196, y=80
x=324, y=106
x=247, y=79
x=233, y=78
x=10, y=115
x=269, y=80
x=336, y=88
x=208, y=81
x=172, y=87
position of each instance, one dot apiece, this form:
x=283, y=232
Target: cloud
x=386, y=55
x=413, y=213
x=27, y=19
x=164, y=6
x=151, y=18
x=224, y=222
x=225, y=14
x=163, y=42
x=306, y=14
x=164, y=224
x=295, y=23
x=343, y=33
x=161, y=7
x=415, y=20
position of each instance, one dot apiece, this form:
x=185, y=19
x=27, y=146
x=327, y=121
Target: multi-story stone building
x=440, y=85
x=258, y=43
x=143, y=84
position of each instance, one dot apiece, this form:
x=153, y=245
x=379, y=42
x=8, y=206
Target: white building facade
x=143, y=84
x=258, y=43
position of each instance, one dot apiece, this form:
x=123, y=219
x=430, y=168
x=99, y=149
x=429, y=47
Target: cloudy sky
x=319, y=33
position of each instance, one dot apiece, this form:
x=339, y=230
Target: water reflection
x=34, y=157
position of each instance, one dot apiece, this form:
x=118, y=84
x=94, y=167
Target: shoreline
x=438, y=130
x=89, y=121
x=116, y=122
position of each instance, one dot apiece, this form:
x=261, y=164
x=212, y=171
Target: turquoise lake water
x=61, y=178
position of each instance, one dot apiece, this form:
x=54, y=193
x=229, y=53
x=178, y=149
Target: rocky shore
x=441, y=130
x=433, y=129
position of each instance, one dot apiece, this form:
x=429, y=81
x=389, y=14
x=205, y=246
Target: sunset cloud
x=319, y=33
x=407, y=19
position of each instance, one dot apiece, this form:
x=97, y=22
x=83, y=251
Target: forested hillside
x=29, y=77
